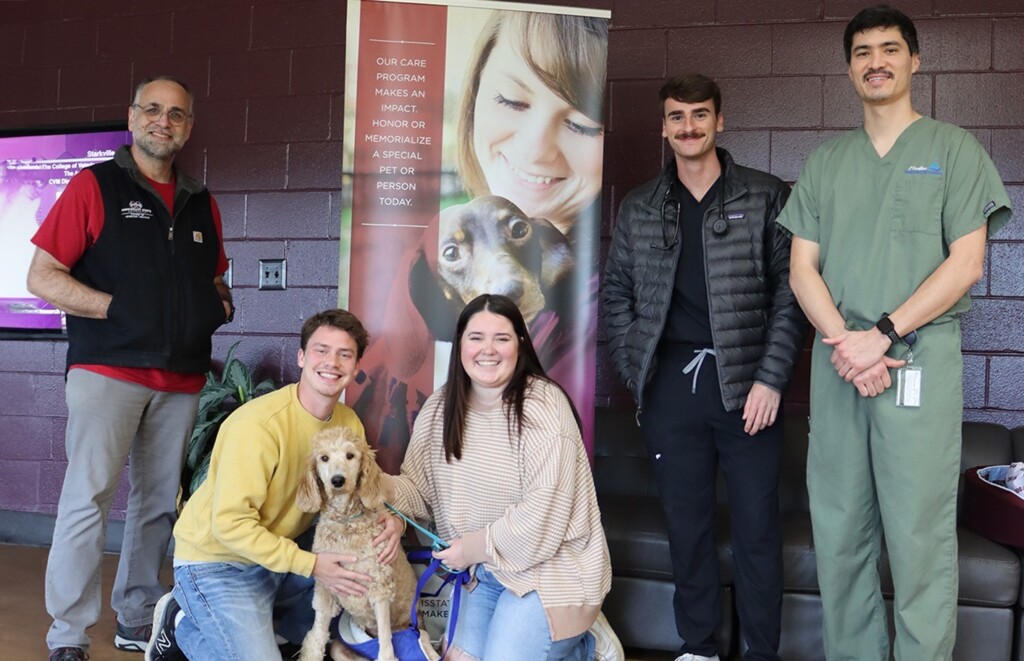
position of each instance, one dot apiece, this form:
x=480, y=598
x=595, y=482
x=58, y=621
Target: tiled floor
x=24, y=619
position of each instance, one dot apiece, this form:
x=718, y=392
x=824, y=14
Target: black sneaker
x=132, y=640
x=69, y=654
x=162, y=646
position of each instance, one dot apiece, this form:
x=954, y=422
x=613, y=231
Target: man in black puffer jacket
x=704, y=331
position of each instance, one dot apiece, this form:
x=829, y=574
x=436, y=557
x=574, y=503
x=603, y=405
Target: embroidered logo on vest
x=135, y=211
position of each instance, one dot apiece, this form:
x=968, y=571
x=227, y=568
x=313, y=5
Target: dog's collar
x=345, y=519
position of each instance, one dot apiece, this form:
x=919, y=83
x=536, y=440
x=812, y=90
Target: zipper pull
x=170, y=234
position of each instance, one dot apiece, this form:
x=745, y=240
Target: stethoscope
x=720, y=227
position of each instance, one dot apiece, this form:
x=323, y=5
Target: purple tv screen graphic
x=34, y=170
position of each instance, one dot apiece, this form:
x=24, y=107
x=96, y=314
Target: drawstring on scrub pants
x=695, y=365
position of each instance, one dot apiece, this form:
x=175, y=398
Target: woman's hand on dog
x=330, y=570
x=391, y=538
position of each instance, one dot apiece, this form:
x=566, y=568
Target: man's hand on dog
x=330, y=569
x=390, y=539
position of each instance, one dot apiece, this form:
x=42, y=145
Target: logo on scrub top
x=933, y=169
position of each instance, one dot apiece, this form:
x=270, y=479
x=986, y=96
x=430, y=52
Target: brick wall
x=268, y=81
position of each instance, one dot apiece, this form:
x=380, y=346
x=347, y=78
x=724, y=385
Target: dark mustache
x=870, y=72
x=683, y=135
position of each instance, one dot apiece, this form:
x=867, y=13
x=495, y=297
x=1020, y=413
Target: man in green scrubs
x=889, y=226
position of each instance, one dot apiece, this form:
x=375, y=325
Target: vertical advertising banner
x=473, y=154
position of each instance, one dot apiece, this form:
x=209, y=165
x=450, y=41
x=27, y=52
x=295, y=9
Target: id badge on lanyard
x=908, y=378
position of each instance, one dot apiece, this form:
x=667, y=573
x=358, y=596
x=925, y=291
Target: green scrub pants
x=875, y=468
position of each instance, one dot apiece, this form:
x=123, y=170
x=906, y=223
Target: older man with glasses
x=132, y=251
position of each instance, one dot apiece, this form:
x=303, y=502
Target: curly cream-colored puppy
x=343, y=484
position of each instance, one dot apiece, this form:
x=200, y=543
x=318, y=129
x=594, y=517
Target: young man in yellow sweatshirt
x=236, y=562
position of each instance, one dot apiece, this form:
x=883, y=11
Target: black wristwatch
x=887, y=328
x=231, y=312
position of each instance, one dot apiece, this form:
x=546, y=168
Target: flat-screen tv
x=35, y=166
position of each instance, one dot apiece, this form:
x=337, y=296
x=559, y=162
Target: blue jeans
x=495, y=625
x=230, y=610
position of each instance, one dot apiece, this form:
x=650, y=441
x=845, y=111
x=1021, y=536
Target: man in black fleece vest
x=133, y=253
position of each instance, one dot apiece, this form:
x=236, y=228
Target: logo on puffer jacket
x=136, y=211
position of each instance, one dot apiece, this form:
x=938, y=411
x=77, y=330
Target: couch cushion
x=638, y=539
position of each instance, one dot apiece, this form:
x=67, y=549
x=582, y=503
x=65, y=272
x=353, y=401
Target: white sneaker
x=696, y=657
x=606, y=644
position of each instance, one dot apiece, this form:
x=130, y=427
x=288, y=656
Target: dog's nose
x=338, y=481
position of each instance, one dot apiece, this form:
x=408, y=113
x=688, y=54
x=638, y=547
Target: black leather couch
x=990, y=626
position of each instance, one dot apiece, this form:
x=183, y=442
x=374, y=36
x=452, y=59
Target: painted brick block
x=318, y=70
x=95, y=84
x=1014, y=230
x=972, y=39
x=250, y=74
x=28, y=89
x=286, y=25
x=248, y=167
x=29, y=356
x=23, y=118
x=231, y=25
x=337, y=117
x=633, y=107
x=313, y=263
x=808, y=48
x=976, y=7
x=289, y=118
x=1006, y=388
x=246, y=256
x=284, y=311
x=60, y=43
x=979, y=99
x=134, y=37
x=790, y=150
x=262, y=353
x=1007, y=54
x=293, y=214
x=994, y=326
x=636, y=54
x=1007, y=147
x=232, y=216
x=69, y=10
x=767, y=11
x=12, y=44
x=660, y=13
x=749, y=148
x=847, y=9
x=315, y=165
x=1007, y=277
x=1008, y=419
x=779, y=102
x=631, y=159
x=24, y=438
x=19, y=490
x=975, y=380
x=720, y=52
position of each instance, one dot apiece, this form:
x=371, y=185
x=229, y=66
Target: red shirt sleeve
x=74, y=222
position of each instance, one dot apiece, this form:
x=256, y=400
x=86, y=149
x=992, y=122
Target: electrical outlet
x=272, y=273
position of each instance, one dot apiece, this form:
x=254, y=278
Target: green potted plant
x=219, y=397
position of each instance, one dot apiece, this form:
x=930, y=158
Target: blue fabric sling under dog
x=407, y=641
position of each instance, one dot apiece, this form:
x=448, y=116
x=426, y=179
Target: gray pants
x=108, y=421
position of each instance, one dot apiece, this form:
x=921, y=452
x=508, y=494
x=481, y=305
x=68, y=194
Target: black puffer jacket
x=756, y=324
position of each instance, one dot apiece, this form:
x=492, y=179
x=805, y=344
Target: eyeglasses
x=175, y=116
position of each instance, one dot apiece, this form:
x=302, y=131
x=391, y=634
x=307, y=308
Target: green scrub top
x=884, y=224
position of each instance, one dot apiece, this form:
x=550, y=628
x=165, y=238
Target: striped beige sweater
x=528, y=503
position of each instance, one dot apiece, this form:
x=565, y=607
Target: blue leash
x=457, y=579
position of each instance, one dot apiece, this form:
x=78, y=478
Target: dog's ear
x=310, y=495
x=438, y=308
x=370, y=489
